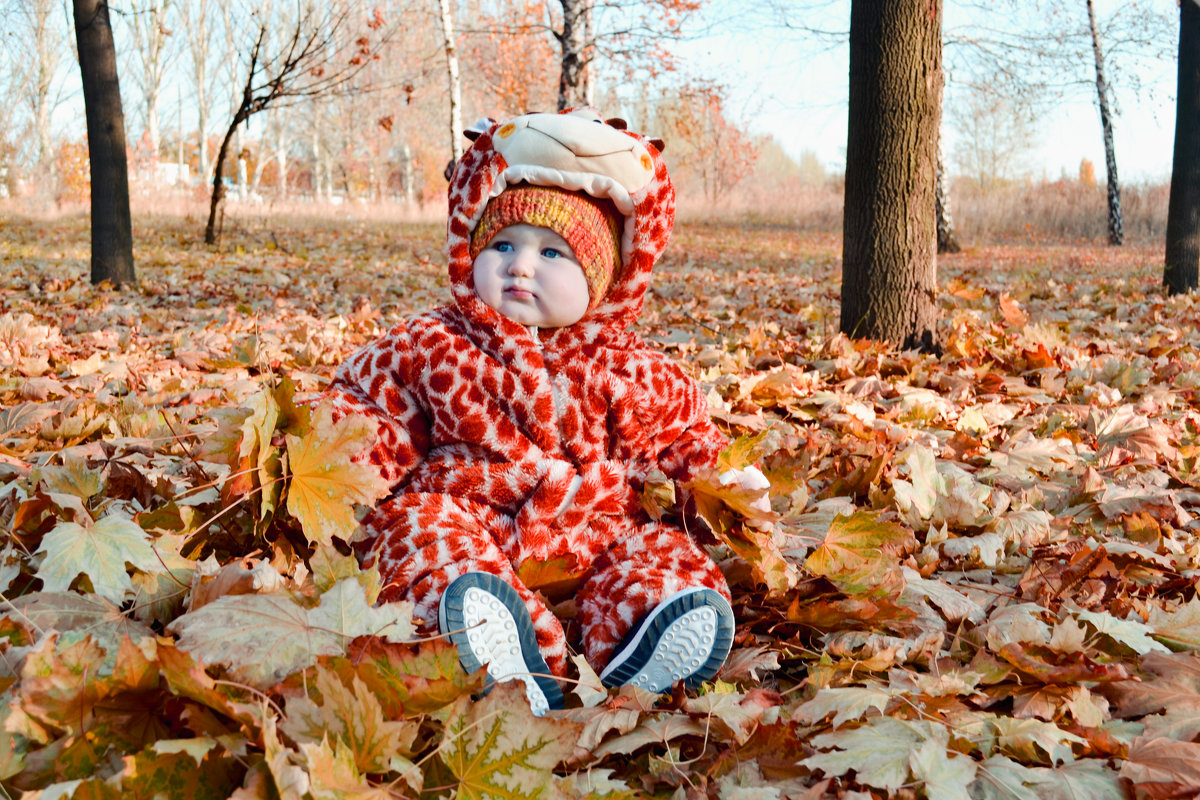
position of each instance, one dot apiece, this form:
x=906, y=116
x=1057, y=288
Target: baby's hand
x=749, y=478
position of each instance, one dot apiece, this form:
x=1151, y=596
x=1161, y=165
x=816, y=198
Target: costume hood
x=577, y=151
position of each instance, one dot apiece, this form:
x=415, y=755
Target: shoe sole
x=687, y=638
x=490, y=624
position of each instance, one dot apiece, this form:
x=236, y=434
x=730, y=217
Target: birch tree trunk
x=889, y=256
x=448, y=42
x=112, y=231
x=1116, y=233
x=575, y=41
x=151, y=37
x=406, y=172
x=39, y=72
x=196, y=20
x=1182, y=271
x=947, y=240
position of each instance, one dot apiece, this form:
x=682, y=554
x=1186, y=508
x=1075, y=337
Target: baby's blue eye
x=550, y=252
x=504, y=247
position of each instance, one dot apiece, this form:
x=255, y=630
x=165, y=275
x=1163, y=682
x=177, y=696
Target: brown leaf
x=1162, y=760
x=1012, y=312
x=248, y=576
x=1067, y=668
x=1175, y=685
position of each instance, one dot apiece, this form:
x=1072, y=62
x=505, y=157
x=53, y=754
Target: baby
x=517, y=426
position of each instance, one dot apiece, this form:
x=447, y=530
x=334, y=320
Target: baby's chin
x=530, y=316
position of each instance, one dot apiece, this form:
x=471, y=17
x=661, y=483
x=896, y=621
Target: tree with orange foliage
x=707, y=148
x=634, y=37
x=514, y=61
x=710, y=147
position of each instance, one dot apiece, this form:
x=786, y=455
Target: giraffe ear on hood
x=479, y=128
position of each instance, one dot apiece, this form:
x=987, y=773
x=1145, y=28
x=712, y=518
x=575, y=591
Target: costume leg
x=423, y=541
x=627, y=581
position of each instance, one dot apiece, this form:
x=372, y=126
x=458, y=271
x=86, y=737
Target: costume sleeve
x=374, y=382
x=696, y=448
x=692, y=440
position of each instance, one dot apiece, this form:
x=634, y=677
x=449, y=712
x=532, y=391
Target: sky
x=795, y=89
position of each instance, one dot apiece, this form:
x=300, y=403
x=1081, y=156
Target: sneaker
x=686, y=637
x=488, y=621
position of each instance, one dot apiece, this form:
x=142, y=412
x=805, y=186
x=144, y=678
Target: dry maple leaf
x=946, y=774
x=858, y=551
x=350, y=716
x=1164, y=761
x=1178, y=627
x=248, y=576
x=100, y=552
x=263, y=637
x=879, y=750
x=1175, y=685
x=333, y=775
x=185, y=768
x=497, y=749
x=845, y=703
x=326, y=481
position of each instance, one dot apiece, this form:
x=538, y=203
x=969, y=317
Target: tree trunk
x=1116, y=233
x=406, y=173
x=456, y=126
x=218, y=187
x=152, y=133
x=575, y=76
x=281, y=165
x=889, y=258
x=947, y=240
x=1182, y=271
x=195, y=15
x=112, y=230
x=47, y=56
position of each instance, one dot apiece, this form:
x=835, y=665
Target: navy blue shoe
x=489, y=622
x=686, y=637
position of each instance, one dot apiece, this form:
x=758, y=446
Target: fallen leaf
x=326, y=481
x=496, y=747
x=263, y=637
x=100, y=552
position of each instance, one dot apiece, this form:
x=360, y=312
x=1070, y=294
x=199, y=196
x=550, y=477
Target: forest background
x=978, y=575
x=1010, y=66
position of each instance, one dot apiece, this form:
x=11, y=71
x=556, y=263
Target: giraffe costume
x=506, y=445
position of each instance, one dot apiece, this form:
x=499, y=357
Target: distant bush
x=1063, y=210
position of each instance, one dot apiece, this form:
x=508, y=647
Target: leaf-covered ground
x=978, y=579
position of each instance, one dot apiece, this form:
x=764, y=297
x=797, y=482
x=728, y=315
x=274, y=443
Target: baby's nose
x=521, y=262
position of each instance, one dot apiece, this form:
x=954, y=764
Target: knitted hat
x=591, y=227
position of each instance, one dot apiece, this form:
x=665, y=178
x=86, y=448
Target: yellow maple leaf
x=325, y=481
x=857, y=551
x=334, y=776
x=498, y=749
x=351, y=716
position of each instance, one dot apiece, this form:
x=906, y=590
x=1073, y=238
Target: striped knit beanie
x=591, y=227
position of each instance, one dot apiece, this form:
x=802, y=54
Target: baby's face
x=530, y=275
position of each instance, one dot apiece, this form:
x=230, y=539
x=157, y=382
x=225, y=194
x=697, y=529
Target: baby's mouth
x=519, y=292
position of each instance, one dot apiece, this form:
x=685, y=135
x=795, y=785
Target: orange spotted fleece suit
x=507, y=446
